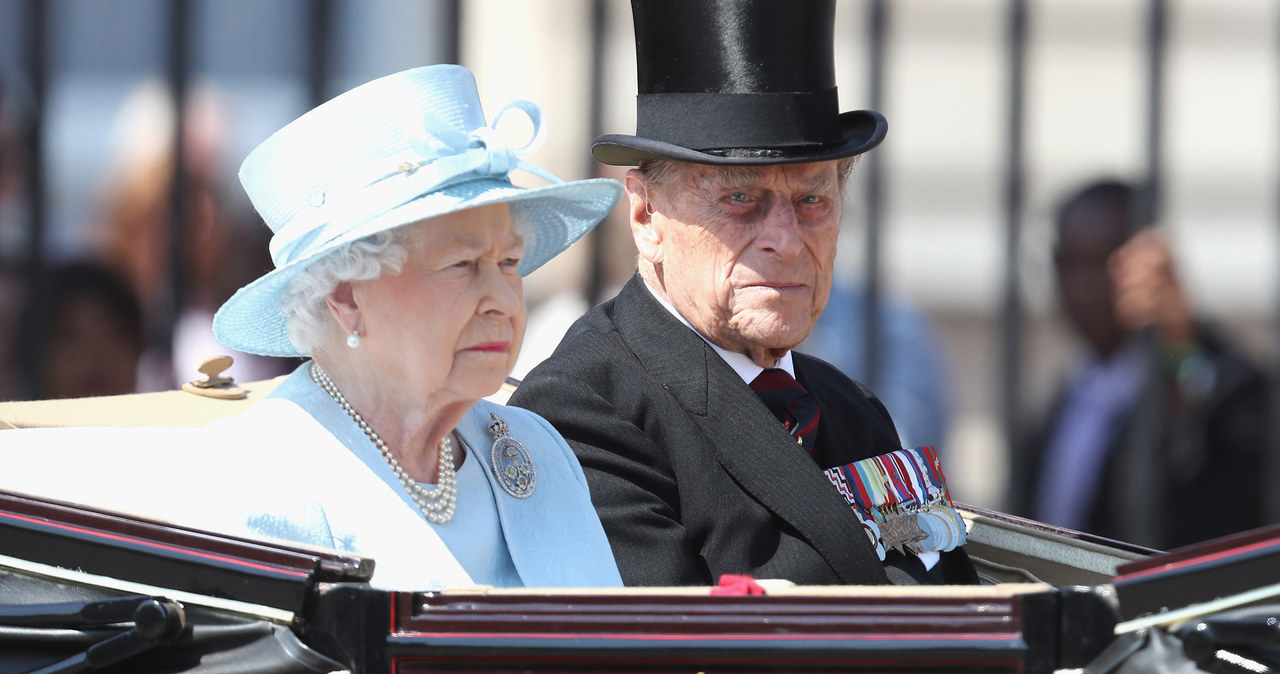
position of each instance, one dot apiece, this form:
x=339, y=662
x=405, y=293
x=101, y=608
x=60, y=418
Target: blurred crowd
x=1158, y=434
x=107, y=319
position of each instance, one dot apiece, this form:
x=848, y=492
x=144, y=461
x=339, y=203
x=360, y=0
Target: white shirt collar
x=744, y=366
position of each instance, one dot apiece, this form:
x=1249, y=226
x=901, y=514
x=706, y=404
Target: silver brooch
x=511, y=462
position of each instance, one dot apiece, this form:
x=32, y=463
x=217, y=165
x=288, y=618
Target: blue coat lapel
x=553, y=535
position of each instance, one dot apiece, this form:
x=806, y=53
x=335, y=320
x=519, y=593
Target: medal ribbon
x=907, y=481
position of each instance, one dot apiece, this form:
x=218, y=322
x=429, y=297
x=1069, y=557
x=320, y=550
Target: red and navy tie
x=794, y=407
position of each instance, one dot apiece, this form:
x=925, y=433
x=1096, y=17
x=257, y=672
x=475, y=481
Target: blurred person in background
x=10, y=310
x=13, y=225
x=90, y=325
x=134, y=230
x=1200, y=444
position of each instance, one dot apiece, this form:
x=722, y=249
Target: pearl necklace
x=436, y=504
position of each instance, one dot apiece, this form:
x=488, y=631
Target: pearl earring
x=353, y=339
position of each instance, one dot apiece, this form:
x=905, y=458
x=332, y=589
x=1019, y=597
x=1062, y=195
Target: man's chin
x=777, y=342
x=773, y=330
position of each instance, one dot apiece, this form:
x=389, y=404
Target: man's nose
x=781, y=229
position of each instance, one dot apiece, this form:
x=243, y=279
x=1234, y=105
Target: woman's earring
x=353, y=339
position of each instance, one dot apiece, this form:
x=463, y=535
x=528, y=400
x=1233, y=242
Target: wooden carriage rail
x=1006, y=628
x=137, y=550
x=1244, y=565
x=1006, y=548
x=329, y=604
x=1229, y=544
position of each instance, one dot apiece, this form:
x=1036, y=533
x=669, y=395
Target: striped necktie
x=794, y=407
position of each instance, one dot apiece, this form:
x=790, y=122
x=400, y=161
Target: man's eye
x=811, y=199
x=740, y=197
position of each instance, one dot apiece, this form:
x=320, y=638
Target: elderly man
x=665, y=392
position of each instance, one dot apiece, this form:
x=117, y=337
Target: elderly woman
x=399, y=245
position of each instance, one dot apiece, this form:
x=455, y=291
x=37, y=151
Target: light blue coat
x=295, y=467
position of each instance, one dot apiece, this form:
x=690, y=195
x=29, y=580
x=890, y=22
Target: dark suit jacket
x=691, y=474
x=1175, y=474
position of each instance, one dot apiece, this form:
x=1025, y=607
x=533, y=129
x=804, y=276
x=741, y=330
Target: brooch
x=511, y=462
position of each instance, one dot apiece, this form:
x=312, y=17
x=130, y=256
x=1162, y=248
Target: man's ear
x=647, y=236
x=344, y=307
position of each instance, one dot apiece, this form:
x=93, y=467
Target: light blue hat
x=391, y=152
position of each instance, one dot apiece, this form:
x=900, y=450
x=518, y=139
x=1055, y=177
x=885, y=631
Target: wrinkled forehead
x=813, y=177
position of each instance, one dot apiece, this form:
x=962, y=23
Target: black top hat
x=738, y=82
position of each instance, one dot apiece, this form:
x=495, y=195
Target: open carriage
x=83, y=589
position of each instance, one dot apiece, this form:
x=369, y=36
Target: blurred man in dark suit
x=1159, y=433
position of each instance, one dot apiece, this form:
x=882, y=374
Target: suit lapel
x=672, y=354
x=744, y=436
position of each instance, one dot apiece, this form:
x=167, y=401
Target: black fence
x=41, y=32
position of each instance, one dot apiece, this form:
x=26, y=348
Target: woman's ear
x=643, y=229
x=344, y=307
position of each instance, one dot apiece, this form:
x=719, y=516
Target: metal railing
x=320, y=28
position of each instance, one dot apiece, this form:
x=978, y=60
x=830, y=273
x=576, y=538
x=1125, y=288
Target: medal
x=901, y=498
x=511, y=462
x=936, y=531
x=899, y=528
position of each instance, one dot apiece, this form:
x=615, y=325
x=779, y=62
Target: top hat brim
x=862, y=130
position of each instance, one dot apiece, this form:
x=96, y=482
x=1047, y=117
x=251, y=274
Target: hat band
x=438, y=157
x=714, y=120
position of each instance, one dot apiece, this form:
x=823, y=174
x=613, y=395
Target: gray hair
x=303, y=301
x=658, y=172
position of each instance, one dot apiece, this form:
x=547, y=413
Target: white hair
x=303, y=301
x=659, y=172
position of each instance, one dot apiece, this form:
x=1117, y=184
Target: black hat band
x=713, y=120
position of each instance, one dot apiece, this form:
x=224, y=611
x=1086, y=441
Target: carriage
x=84, y=589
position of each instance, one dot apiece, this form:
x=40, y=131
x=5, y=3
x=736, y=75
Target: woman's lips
x=490, y=347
